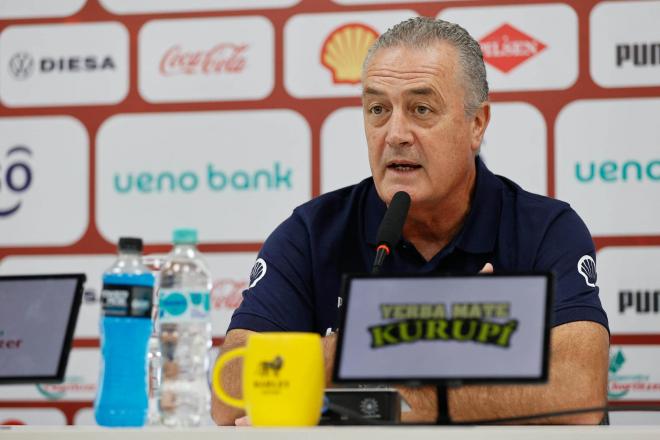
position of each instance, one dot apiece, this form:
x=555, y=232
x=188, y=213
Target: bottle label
x=123, y=300
x=177, y=305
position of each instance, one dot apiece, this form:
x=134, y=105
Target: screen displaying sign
x=37, y=320
x=430, y=329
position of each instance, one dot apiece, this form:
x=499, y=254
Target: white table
x=338, y=433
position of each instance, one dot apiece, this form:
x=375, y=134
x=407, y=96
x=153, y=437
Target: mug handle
x=217, y=370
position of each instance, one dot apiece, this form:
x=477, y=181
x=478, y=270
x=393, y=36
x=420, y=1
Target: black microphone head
x=391, y=226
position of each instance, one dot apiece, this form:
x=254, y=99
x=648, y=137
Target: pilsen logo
x=506, y=48
x=223, y=58
x=344, y=50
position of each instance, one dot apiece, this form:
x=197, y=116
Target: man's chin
x=386, y=192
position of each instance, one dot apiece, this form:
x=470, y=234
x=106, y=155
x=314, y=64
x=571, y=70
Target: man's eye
x=377, y=109
x=422, y=110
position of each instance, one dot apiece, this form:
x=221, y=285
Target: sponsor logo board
x=230, y=272
x=206, y=59
x=12, y=9
x=344, y=154
x=515, y=143
x=323, y=53
x=625, y=44
x=630, y=288
x=595, y=167
x=150, y=6
x=63, y=64
x=521, y=47
x=31, y=416
x=82, y=374
x=43, y=175
x=516, y=135
x=156, y=172
x=633, y=373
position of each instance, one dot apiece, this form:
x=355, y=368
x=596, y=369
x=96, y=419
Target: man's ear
x=479, y=123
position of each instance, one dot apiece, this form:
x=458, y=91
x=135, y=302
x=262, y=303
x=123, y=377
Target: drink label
x=123, y=300
x=177, y=305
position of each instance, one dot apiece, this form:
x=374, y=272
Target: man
x=425, y=112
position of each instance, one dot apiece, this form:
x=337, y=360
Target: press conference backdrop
x=133, y=117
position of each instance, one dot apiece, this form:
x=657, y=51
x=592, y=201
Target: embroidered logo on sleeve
x=587, y=268
x=258, y=272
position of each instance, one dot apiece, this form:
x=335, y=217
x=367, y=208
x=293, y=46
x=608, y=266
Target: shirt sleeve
x=279, y=296
x=568, y=251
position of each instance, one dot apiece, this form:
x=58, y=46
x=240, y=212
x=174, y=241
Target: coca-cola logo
x=223, y=58
x=227, y=293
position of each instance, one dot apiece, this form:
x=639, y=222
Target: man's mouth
x=403, y=166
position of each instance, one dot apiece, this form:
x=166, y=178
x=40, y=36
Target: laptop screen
x=434, y=329
x=37, y=318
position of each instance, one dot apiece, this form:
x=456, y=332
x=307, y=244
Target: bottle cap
x=184, y=236
x=130, y=244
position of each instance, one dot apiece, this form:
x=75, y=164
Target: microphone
x=389, y=232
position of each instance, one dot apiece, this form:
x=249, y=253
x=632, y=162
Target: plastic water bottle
x=185, y=333
x=126, y=323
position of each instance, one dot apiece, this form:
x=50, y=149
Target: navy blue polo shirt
x=295, y=284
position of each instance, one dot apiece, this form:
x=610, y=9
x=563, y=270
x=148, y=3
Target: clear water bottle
x=126, y=301
x=185, y=333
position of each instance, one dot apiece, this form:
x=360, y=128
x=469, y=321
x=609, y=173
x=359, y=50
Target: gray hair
x=421, y=32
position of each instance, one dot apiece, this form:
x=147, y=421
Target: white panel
x=344, y=155
x=306, y=37
x=44, y=181
x=630, y=288
x=522, y=46
x=156, y=6
x=633, y=372
x=607, y=164
x=64, y=64
x=232, y=175
x=39, y=8
x=515, y=145
x=210, y=59
x=625, y=44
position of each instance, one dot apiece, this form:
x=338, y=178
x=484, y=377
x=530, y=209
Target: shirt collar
x=479, y=232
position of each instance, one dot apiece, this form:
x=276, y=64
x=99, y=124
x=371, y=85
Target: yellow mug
x=283, y=379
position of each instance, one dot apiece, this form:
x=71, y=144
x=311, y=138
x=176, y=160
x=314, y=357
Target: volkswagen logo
x=21, y=65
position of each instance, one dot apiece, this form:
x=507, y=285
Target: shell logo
x=343, y=51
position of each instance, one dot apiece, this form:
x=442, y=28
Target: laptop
x=437, y=329
x=38, y=316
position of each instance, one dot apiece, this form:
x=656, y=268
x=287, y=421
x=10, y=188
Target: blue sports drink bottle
x=126, y=301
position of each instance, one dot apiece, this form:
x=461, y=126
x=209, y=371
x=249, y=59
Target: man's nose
x=399, y=132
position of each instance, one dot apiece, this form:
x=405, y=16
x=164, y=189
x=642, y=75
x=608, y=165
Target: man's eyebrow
x=372, y=91
x=421, y=91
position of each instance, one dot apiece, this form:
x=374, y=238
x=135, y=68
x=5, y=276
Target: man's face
x=420, y=139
